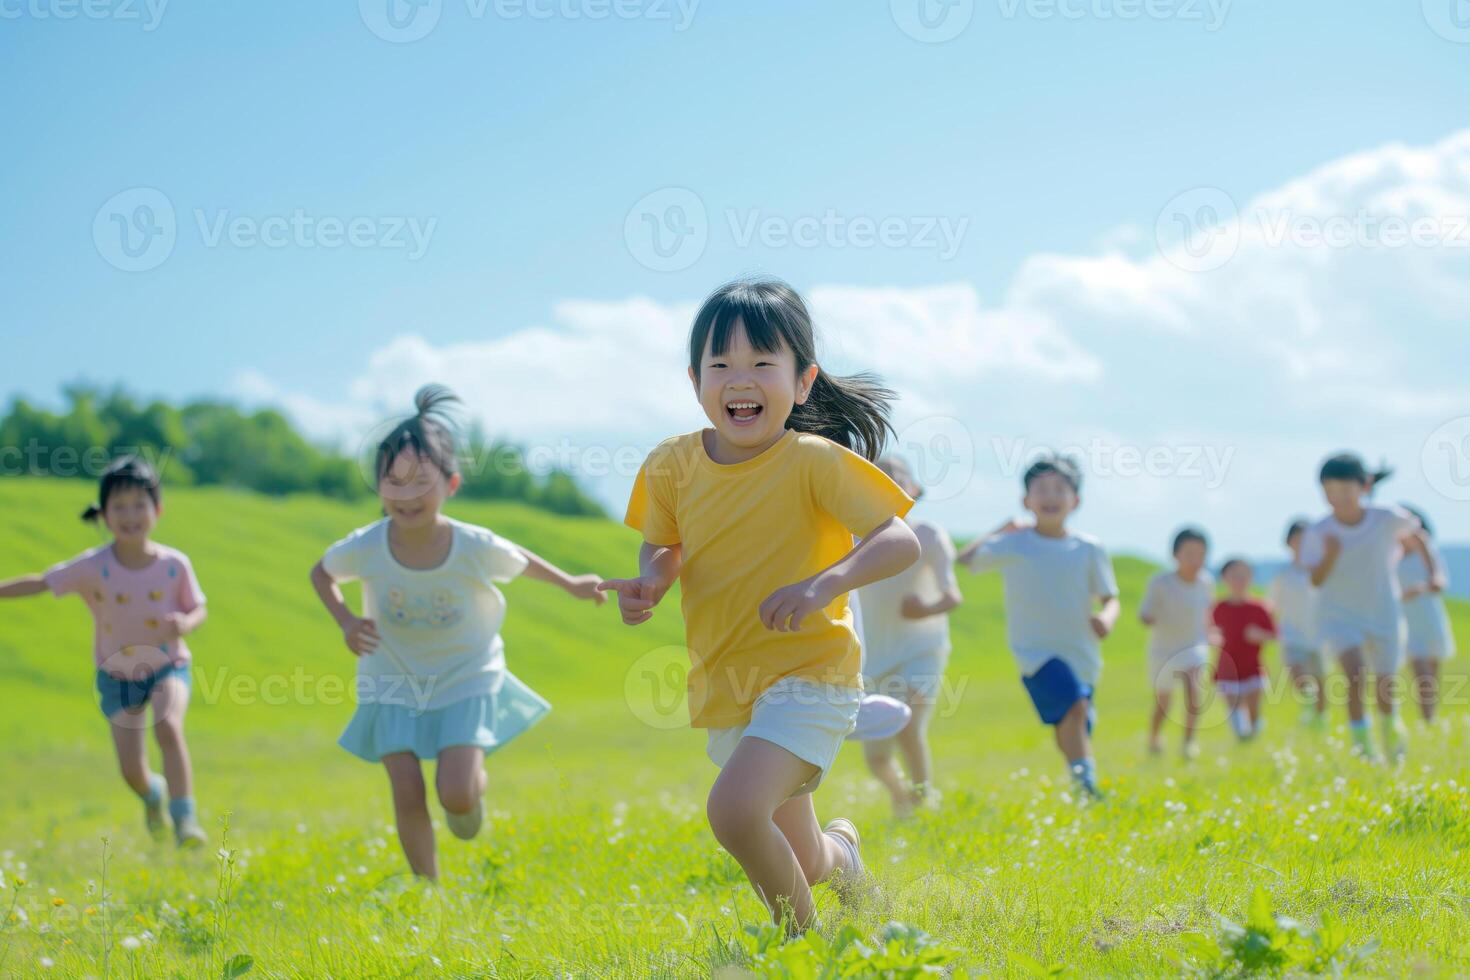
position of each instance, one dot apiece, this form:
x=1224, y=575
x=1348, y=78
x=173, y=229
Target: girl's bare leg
x=1162, y=697
x=879, y=756
x=1194, y=703
x=130, y=740
x=1253, y=707
x=817, y=854
x=1357, y=681
x=460, y=777
x=170, y=702
x=758, y=779
x=411, y=812
x=913, y=741
x=1426, y=686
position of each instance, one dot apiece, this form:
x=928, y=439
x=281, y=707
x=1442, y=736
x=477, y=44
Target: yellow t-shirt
x=748, y=529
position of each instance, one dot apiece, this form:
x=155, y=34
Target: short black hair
x=1297, y=526
x=125, y=473
x=1187, y=535
x=428, y=433
x=1064, y=466
x=1231, y=563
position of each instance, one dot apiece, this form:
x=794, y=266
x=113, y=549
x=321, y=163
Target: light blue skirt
x=489, y=721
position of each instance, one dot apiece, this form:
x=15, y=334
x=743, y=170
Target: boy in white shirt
x=1294, y=605
x=1176, y=609
x=1061, y=599
x=905, y=633
x=1353, y=554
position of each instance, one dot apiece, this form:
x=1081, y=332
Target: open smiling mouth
x=743, y=412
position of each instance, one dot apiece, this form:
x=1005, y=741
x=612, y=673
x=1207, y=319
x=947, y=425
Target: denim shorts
x=119, y=693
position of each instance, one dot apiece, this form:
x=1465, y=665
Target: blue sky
x=517, y=137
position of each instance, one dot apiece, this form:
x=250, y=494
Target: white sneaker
x=852, y=882
x=189, y=834
x=880, y=717
x=466, y=825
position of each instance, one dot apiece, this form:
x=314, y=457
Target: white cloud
x=1285, y=353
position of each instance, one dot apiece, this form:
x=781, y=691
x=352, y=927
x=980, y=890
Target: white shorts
x=1243, y=686
x=921, y=674
x=809, y=719
x=1383, y=651
x=1168, y=669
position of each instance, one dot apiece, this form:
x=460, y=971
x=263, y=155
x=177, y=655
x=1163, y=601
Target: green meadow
x=596, y=860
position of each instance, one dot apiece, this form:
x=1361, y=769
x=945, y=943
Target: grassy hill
x=597, y=860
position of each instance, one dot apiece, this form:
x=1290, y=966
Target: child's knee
x=733, y=816
x=458, y=796
x=169, y=733
x=878, y=752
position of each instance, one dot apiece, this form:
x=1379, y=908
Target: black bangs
x=1345, y=466
x=773, y=315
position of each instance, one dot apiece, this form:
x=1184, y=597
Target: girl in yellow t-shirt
x=756, y=517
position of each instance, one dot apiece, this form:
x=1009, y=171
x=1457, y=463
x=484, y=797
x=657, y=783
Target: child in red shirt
x=1244, y=625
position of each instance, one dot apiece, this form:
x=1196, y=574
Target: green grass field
x=597, y=860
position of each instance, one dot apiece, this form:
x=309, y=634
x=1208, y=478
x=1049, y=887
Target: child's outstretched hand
x=361, y=635
x=586, y=587
x=1101, y=626
x=173, y=626
x=636, y=597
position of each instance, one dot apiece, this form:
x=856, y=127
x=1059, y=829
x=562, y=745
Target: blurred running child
x=1293, y=601
x=1430, y=640
x=1061, y=600
x=1176, y=609
x=1245, y=625
x=905, y=635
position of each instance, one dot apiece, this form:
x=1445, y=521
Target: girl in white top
x=1294, y=604
x=905, y=633
x=1429, y=637
x=1353, y=554
x=1176, y=608
x=431, y=677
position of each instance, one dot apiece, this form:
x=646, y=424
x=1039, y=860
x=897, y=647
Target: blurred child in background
x=1354, y=554
x=1061, y=600
x=1430, y=640
x=1245, y=625
x=1176, y=609
x=1293, y=604
x=905, y=634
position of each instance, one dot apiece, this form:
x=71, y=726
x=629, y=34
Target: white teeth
x=734, y=405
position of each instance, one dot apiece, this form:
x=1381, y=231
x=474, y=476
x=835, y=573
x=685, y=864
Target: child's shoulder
x=171, y=555
x=1089, y=541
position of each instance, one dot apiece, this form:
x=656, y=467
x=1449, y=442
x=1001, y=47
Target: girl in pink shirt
x=144, y=600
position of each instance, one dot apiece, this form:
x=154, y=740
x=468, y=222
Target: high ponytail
x=852, y=411
x=428, y=432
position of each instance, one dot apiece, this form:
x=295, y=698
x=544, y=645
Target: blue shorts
x=118, y=693
x=1054, y=689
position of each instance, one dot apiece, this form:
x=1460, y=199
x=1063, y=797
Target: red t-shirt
x=1239, y=659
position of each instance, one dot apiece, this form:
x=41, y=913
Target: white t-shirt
x=1052, y=585
x=1179, y=610
x=440, y=627
x=890, y=639
x=1363, y=588
x=1295, y=601
x=1425, y=614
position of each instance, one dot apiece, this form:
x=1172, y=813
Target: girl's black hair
x=1064, y=466
x=1349, y=466
x=1187, y=535
x=427, y=432
x=124, y=473
x=1297, y=526
x=1231, y=563
x=1423, y=521
x=852, y=411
